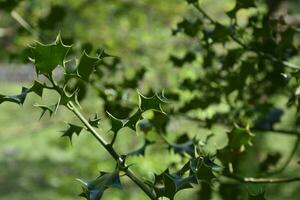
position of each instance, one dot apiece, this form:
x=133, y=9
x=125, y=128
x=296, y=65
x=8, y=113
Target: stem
x=108, y=147
x=262, y=180
x=112, y=152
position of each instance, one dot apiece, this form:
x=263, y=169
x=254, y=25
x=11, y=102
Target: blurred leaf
x=240, y=4
x=56, y=15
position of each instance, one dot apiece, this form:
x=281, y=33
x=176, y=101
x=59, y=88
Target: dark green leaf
x=73, y=129
x=93, y=190
x=47, y=57
x=86, y=66
x=150, y=103
x=19, y=99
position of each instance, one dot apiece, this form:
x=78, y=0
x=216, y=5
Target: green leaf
x=86, y=66
x=51, y=109
x=19, y=99
x=47, y=57
x=164, y=185
x=117, y=124
x=239, y=137
x=150, y=103
x=37, y=88
x=93, y=190
x=71, y=130
x=132, y=120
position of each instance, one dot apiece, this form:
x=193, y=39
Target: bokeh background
x=35, y=162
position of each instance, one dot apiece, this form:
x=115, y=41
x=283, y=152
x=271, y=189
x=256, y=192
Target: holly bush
x=236, y=75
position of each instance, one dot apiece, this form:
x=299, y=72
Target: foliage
x=242, y=72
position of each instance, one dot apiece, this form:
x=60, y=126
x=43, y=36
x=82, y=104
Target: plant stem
x=262, y=180
x=112, y=152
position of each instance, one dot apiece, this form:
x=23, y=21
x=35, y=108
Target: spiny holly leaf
x=37, y=88
x=117, y=124
x=141, y=150
x=93, y=190
x=47, y=57
x=19, y=99
x=167, y=185
x=132, y=120
x=164, y=185
x=150, y=103
x=240, y=4
x=51, y=109
x=86, y=66
x=203, y=169
x=239, y=137
x=94, y=121
x=71, y=130
x=160, y=121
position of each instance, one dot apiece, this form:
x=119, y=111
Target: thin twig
x=108, y=147
x=262, y=180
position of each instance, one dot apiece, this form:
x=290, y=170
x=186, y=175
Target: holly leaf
x=86, y=66
x=164, y=185
x=50, y=109
x=19, y=99
x=203, y=170
x=239, y=137
x=73, y=129
x=47, y=57
x=37, y=88
x=132, y=120
x=117, y=124
x=94, y=189
x=150, y=103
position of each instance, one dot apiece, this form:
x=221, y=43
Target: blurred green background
x=35, y=163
